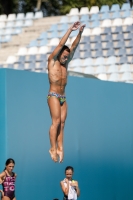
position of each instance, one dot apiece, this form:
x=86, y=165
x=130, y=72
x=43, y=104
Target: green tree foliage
x=27, y=5
x=68, y=4
x=51, y=7
x=8, y=6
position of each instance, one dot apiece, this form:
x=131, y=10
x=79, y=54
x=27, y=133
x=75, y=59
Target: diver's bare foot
x=60, y=153
x=53, y=154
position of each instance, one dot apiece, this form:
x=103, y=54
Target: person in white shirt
x=69, y=186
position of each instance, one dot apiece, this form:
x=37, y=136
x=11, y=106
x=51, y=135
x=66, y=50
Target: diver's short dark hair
x=64, y=48
x=8, y=161
x=69, y=167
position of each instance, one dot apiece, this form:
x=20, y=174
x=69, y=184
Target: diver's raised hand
x=82, y=28
x=75, y=26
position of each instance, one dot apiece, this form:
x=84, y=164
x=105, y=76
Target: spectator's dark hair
x=64, y=48
x=8, y=161
x=69, y=167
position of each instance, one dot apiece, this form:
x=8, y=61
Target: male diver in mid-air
x=57, y=72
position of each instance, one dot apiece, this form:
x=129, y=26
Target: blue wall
x=98, y=137
x=2, y=119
